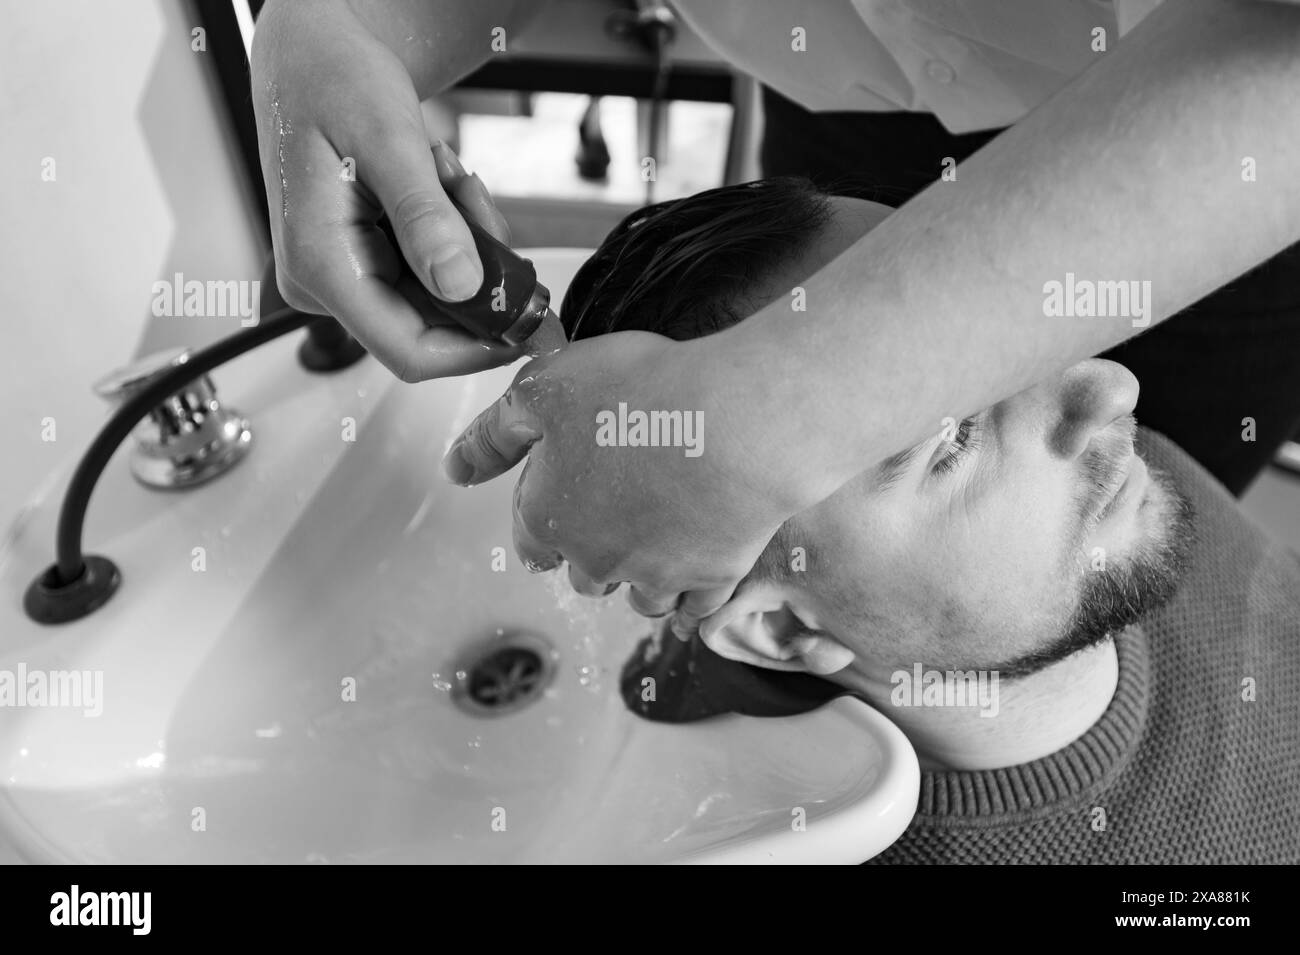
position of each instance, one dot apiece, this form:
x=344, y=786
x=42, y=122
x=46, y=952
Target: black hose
x=72, y=516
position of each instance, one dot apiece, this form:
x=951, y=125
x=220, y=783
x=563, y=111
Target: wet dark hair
x=685, y=268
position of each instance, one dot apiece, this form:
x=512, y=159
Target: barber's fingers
x=468, y=190
x=533, y=549
x=441, y=347
x=495, y=441
x=651, y=603
x=535, y=554
x=389, y=322
x=379, y=315
x=433, y=237
x=589, y=586
x=438, y=346
x=695, y=606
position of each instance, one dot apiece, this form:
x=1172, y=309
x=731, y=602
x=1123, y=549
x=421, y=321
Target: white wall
x=147, y=185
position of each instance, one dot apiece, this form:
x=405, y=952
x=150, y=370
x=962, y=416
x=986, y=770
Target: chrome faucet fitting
x=188, y=438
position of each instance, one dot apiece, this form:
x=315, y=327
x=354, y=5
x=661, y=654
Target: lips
x=1124, y=474
x=1135, y=478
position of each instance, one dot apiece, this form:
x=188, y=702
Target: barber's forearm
x=1133, y=172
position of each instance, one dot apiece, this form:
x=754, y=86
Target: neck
x=1002, y=723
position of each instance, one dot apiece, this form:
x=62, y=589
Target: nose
x=1088, y=397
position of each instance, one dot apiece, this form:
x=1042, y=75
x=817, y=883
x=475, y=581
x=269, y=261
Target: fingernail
x=610, y=589
x=443, y=155
x=455, y=273
x=457, y=466
x=453, y=160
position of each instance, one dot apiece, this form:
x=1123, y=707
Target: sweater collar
x=1093, y=759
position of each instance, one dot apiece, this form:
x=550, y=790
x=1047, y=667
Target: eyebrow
x=895, y=466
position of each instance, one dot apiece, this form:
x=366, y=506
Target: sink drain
x=505, y=674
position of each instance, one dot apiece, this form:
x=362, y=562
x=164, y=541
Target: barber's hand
x=683, y=531
x=343, y=141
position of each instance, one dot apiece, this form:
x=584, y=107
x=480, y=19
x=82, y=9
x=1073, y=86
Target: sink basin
x=280, y=672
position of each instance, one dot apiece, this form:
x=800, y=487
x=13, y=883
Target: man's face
x=1032, y=527
x=1032, y=523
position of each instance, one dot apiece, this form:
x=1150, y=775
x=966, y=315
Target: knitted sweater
x=1183, y=767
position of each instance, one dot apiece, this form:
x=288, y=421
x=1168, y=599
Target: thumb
x=494, y=442
x=430, y=230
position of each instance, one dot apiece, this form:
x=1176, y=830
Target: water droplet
x=440, y=684
x=552, y=523
x=462, y=676
x=589, y=676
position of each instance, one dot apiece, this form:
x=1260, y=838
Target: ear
x=765, y=626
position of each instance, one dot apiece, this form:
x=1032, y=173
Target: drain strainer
x=504, y=674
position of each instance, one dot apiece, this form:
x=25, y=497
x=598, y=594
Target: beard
x=1128, y=588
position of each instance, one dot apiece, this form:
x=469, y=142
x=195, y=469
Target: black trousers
x=1234, y=354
